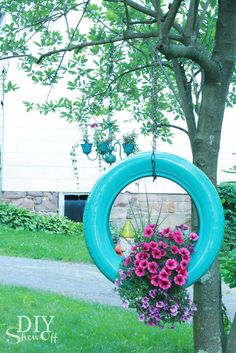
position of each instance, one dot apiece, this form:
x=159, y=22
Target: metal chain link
x=154, y=102
x=111, y=67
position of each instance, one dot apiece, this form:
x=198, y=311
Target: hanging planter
x=128, y=148
x=103, y=147
x=86, y=147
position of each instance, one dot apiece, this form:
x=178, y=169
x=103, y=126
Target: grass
x=40, y=245
x=85, y=328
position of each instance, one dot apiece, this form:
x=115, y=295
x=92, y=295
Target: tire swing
x=169, y=166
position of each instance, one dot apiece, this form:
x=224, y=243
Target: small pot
x=128, y=148
x=86, y=147
x=103, y=147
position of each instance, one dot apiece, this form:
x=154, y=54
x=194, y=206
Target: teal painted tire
x=180, y=171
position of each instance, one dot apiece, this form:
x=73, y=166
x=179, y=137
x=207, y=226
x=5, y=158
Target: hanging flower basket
x=86, y=147
x=128, y=148
x=152, y=277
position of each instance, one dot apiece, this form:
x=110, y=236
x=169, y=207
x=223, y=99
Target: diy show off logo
x=36, y=328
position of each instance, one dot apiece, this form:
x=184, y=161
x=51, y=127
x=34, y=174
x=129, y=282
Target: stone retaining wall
x=38, y=201
x=175, y=208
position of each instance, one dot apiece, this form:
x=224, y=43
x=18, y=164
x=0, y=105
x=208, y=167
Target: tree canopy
x=186, y=47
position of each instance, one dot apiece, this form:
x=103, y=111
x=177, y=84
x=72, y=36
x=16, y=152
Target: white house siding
x=36, y=149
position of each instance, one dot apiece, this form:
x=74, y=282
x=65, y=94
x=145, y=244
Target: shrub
x=21, y=218
x=227, y=192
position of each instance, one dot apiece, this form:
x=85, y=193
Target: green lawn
x=40, y=245
x=83, y=327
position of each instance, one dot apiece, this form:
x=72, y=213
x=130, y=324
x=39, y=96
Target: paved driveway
x=74, y=280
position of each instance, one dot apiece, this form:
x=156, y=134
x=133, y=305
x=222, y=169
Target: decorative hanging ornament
x=169, y=166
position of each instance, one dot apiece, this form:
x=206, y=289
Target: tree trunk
x=208, y=324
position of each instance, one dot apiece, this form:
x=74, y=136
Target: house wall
x=36, y=161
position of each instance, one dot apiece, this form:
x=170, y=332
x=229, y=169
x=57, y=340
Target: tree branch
x=193, y=52
x=190, y=27
x=170, y=18
x=186, y=99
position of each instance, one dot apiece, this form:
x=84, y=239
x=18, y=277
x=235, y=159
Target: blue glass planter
x=110, y=158
x=128, y=148
x=86, y=147
x=103, y=147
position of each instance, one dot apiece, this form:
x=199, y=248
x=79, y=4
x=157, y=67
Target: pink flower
x=139, y=271
x=184, y=251
x=163, y=245
x=156, y=254
x=134, y=248
x=166, y=231
x=193, y=236
x=167, y=271
x=144, y=263
x=148, y=232
x=153, y=245
x=152, y=267
x=171, y=264
x=186, y=257
x=184, y=273
x=153, y=225
x=163, y=253
x=183, y=264
x=164, y=284
x=127, y=261
x=155, y=280
x=146, y=246
x=174, y=249
x=178, y=237
x=142, y=256
x=163, y=275
x=179, y=280
x=137, y=263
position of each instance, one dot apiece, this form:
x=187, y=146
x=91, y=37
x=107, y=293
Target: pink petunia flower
x=148, y=232
x=163, y=245
x=156, y=254
x=163, y=275
x=184, y=273
x=142, y=256
x=179, y=280
x=139, y=271
x=137, y=263
x=167, y=271
x=152, y=267
x=174, y=249
x=163, y=253
x=193, y=236
x=144, y=263
x=183, y=264
x=164, y=284
x=153, y=225
x=146, y=247
x=153, y=245
x=184, y=251
x=155, y=280
x=166, y=231
x=171, y=264
x=127, y=261
x=186, y=257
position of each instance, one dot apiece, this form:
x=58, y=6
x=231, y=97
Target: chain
x=111, y=67
x=154, y=102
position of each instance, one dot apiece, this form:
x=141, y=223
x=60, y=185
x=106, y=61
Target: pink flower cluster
x=162, y=272
x=161, y=263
